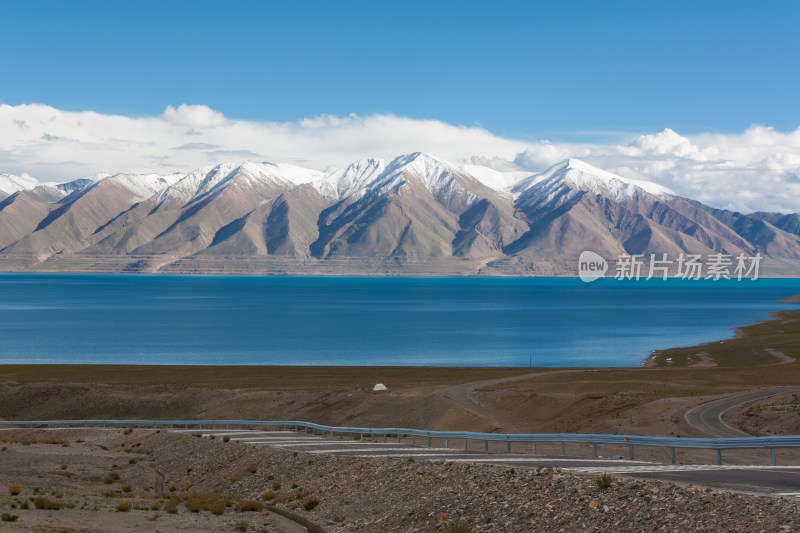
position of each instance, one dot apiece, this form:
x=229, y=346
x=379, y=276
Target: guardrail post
x=719, y=456
x=631, y=452
x=445, y=443
x=594, y=449
x=486, y=445
x=562, y=448
x=413, y=440
x=384, y=437
x=465, y=444
x=429, y=442
x=372, y=437
x=534, y=448
x=772, y=457
x=398, y=438
x=674, y=458
x=508, y=446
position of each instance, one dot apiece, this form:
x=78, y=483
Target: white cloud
x=758, y=169
x=194, y=116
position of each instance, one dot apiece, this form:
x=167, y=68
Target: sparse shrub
x=226, y=439
x=5, y=517
x=459, y=527
x=249, y=506
x=155, y=506
x=276, y=485
x=195, y=505
x=410, y=459
x=252, y=468
x=270, y=477
x=604, y=481
x=111, y=478
x=172, y=505
x=310, y=503
x=14, y=490
x=128, y=431
x=212, y=437
x=4, y=448
x=173, y=488
x=188, y=470
x=294, y=485
x=123, y=507
x=216, y=506
x=127, y=488
x=46, y=503
x=131, y=461
x=24, y=505
x=63, y=467
x=294, y=454
x=242, y=526
x=267, y=496
x=79, y=441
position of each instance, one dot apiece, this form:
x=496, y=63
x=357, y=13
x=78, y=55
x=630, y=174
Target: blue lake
x=137, y=319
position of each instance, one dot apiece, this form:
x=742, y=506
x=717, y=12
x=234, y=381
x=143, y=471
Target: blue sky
x=527, y=70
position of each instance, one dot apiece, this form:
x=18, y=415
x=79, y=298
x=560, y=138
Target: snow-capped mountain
x=9, y=184
x=370, y=216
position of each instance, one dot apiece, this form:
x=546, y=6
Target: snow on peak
x=9, y=184
x=498, y=180
x=590, y=178
x=281, y=173
x=143, y=186
x=377, y=175
x=582, y=176
x=352, y=179
x=195, y=183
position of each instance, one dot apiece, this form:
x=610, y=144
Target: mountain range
x=414, y=214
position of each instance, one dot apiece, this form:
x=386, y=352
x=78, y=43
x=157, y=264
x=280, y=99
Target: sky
x=699, y=96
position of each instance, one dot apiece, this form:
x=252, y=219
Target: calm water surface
x=368, y=321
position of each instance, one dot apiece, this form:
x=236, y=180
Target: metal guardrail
x=629, y=441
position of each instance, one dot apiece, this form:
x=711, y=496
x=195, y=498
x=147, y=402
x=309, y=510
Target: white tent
x=379, y=387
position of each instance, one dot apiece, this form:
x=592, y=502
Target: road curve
x=708, y=416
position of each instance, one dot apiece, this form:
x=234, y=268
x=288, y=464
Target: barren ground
x=146, y=481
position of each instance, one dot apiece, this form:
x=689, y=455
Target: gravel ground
x=354, y=494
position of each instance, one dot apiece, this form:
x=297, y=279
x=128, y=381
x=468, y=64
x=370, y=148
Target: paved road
x=777, y=480
x=708, y=416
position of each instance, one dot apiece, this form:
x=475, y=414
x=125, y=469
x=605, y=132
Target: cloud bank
x=758, y=169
